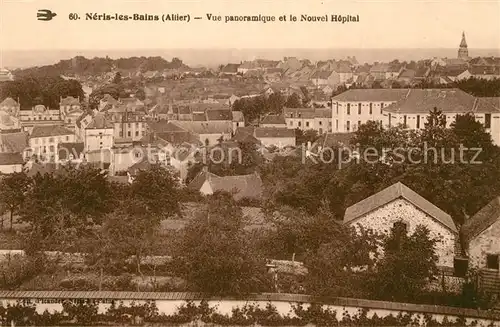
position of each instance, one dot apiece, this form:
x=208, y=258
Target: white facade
x=98, y=139
x=347, y=116
x=47, y=146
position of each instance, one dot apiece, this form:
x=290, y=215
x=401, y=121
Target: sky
x=382, y=24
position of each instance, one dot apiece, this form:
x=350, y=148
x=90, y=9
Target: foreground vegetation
x=86, y=313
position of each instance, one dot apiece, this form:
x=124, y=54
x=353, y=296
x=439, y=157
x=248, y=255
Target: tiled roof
x=210, y=127
x=263, y=132
x=483, y=219
x=9, y=102
x=13, y=142
x=49, y=130
x=230, y=68
x=75, y=149
x=485, y=70
x=321, y=75
x=355, y=95
x=241, y=186
x=273, y=119
x=99, y=122
x=238, y=116
x=391, y=193
x=213, y=114
x=245, y=135
x=11, y=159
x=446, y=100
x=488, y=104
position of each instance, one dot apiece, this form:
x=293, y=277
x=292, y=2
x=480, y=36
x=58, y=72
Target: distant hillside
x=82, y=66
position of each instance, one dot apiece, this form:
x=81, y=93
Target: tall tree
x=13, y=189
x=217, y=258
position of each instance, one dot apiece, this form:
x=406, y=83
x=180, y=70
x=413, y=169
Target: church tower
x=463, y=52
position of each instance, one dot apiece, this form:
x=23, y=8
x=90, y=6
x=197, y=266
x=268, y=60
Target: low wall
x=168, y=303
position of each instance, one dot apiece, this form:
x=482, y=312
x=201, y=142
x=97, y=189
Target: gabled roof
x=11, y=159
x=355, y=95
x=487, y=104
x=483, y=219
x=273, y=119
x=49, y=130
x=241, y=186
x=99, y=122
x=394, y=192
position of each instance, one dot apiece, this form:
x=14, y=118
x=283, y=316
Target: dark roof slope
x=273, y=120
x=274, y=132
x=391, y=193
x=483, y=219
x=50, y=130
x=11, y=159
x=13, y=142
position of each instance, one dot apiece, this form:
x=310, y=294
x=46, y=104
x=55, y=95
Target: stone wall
x=382, y=220
x=485, y=243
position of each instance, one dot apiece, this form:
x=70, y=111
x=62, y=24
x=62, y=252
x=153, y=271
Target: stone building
x=398, y=204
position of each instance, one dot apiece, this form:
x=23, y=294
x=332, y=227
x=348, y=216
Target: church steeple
x=463, y=52
x=463, y=44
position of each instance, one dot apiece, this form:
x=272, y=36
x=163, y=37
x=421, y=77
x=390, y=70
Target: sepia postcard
x=250, y=163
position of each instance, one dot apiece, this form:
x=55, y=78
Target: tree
x=294, y=101
x=127, y=232
x=407, y=266
x=216, y=254
x=13, y=188
x=158, y=190
x=297, y=233
x=340, y=267
x=118, y=78
x=304, y=137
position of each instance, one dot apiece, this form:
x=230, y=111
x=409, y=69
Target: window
x=291, y=123
x=129, y=125
x=401, y=226
x=359, y=108
x=418, y=121
x=390, y=118
x=51, y=148
x=336, y=124
x=137, y=125
x=321, y=131
x=359, y=123
x=121, y=134
x=129, y=134
x=348, y=126
x=381, y=107
x=371, y=107
x=487, y=121
x=319, y=123
x=237, y=124
x=337, y=107
x=460, y=266
x=348, y=108
x=51, y=140
x=404, y=121
x=299, y=123
x=307, y=124
x=136, y=133
x=67, y=138
x=300, y=115
x=291, y=115
x=492, y=261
